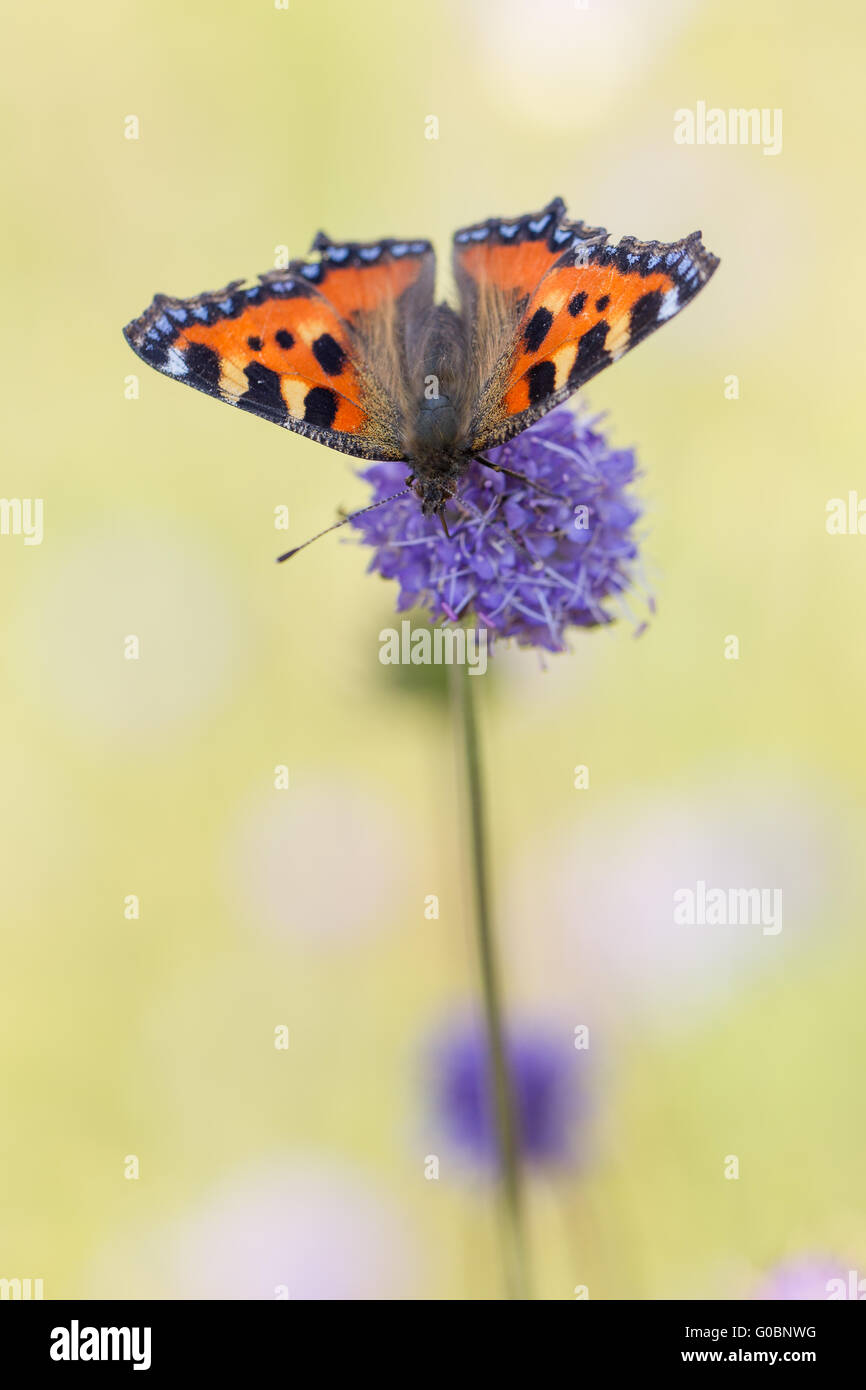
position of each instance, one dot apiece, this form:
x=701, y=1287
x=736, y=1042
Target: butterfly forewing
x=593, y=303
x=315, y=348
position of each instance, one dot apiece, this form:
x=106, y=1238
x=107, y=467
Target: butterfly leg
x=520, y=477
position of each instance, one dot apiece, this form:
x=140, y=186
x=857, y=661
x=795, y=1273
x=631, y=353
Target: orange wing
x=294, y=348
x=361, y=280
x=567, y=303
x=510, y=255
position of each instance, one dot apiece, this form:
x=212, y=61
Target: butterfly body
x=350, y=349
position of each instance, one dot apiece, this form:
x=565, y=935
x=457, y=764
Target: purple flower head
x=547, y=1100
x=522, y=563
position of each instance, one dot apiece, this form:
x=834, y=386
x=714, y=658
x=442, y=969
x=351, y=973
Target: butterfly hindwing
x=498, y=265
x=295, y=349
x=362, y=279
x=511, y=255
x=384, y=291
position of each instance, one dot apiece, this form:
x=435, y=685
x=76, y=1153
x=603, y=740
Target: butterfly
x=349, y=347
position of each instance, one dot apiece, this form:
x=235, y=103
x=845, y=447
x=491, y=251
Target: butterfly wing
x=316, y=348
x=564, y=304
x=497, y=264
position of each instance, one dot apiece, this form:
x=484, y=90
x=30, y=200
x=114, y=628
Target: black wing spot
x=204, y=364
x=537, y=329
x=255, y=343
x=155, y=354
x=576, y=303
x=603, y=302
x=329, y=355
x=541, y=380
x=264, y=394
x=592, y=354
x=284, y=338
x=645, y=313
x=320, y=407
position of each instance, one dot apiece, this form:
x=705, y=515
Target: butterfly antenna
x=521, y=478
x=344, y=522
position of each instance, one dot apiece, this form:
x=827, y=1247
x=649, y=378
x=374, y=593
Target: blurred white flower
x=302, y=1228
x=654, y=189
x=568, y=60
x=590, y=913
x=327, y=861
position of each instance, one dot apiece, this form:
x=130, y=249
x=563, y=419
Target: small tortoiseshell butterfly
x=352, y=350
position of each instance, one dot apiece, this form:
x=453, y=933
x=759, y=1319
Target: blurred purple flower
x=547, y=1101
x=810, y=1277
x=524, y=564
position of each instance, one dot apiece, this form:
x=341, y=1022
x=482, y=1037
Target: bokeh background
x=303, y=1170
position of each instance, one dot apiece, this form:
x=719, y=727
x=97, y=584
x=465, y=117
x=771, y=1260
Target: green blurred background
x=154, y=1037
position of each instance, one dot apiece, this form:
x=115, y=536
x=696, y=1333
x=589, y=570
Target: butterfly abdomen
x=435, y=352
x=436, y=432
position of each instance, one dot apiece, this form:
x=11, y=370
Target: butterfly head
x=434, y=489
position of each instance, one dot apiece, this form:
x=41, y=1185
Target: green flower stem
x=466, y=730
